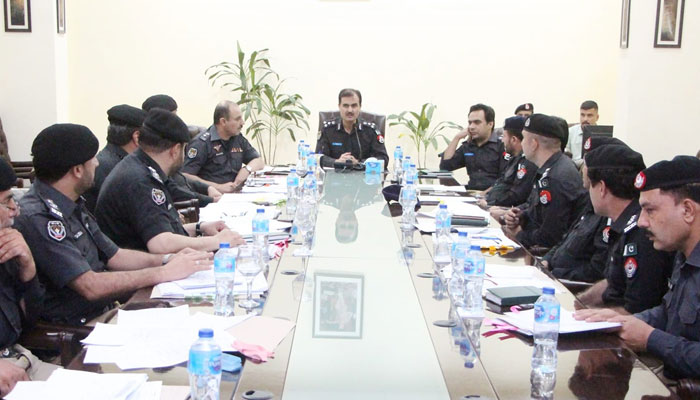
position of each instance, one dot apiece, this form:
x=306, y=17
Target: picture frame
x=61, y=16
x=625, y=24
x=669, y=23
x=338, y=302
x=18, y=15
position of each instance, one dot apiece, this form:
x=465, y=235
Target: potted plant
x=269, y=111
x=418, y=126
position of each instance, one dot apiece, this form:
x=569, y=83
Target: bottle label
x=469, y=266
x=204, y=362
x=547, y=313
x=224, y=264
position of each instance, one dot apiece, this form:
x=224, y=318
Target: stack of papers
x=77, y=385
x=238, y=217
x=525, y=321
x=488, y=237
x=508, y=276
x=154, y=338
x=441, y=188
x=268, y=184
x=258, y=198
x=447, y=199
x=202, y=283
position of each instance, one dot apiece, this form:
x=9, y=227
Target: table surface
x=365, y=324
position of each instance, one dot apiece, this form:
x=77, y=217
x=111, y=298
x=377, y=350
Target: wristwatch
x=198, y=229
x=167, y=258
x=250, y=170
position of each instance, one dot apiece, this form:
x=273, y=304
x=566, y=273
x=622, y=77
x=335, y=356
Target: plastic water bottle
x=408, y=199
x=443, y=221
x=300, y=149
x=224, y=273
x=544, y=353
x=261, y=228
x=443, y=238
x=204, y=367
x=456, y=284
x=309, y=190
x=412, y=173
x=398, y=159
x=302, y=164
x=462, y=243
x=474, y=270
x=405, y=164
x=292, y=191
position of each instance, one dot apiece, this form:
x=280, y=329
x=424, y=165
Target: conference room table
x=374, y=321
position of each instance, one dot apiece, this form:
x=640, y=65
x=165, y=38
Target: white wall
x=657, y=96
x=400, y=54
x=33, y=87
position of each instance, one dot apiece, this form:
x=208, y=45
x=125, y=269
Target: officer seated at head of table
x=557, y=197
x=482, y=151
x=636, y=274
x=135, y=206
x=82, y=270
x=670, y=202
x=216, y=157
x=348, y=138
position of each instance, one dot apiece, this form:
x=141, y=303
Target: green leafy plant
x=418, y=126
x=269, y=111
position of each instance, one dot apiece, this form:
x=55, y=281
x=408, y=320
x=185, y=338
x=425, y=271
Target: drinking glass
x=248, y=263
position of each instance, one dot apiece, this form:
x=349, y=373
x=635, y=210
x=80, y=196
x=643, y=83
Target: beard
x=86, y=183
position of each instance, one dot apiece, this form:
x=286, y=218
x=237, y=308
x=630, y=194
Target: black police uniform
x=582, y=254
x=108, y=158
x=12, y=290
x=216, y=160
x=135, y=204
x=514, y=186
x=363, y=142
x=637, y=274
x=484, y=163
x=555, y=202
x=66, y=242
x=183, y=189
x=676, y=337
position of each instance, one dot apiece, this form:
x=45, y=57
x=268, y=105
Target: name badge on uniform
x=630, y=267
x=56, y=230
x=78, y=235
x=158, y=196
x=336, y=144
x=468, y=154
x=630, y=250
x=236, y=150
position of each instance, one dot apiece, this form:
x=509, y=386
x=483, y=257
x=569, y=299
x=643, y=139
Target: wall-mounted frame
x=338, y=302
x=18, y=16
x=625, y=24
x=669, y=23
x=61, y=16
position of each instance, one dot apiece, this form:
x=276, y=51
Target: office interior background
x=400, y=54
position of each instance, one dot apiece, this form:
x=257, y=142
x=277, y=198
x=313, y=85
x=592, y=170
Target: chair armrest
x=63, y=339
x=688, y=389
x=538, y=251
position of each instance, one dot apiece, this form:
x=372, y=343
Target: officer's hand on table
x=187, y=250
x=214, y=193
x=181, y=265
x=12, y=244
x=482, y=203
x=634, y=331
x=347, y=156
x=211, y=228
x=227, y=187
x=10, y=374
x=595, y=314
x=512, y=218
x=229, y=236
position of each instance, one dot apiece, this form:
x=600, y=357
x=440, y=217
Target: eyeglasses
x=6, y=204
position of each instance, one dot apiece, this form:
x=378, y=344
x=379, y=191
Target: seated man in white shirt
x=588, y=116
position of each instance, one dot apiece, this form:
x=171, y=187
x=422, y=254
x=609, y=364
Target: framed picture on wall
x=338, y=306
x=18, y=16
x=669, y=23
x=625, y=24
x=61, y=16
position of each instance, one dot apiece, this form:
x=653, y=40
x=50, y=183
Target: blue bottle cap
x=475, y=247
x=463, y=234
x=443, y=206
x=261, y=211
x=547, y=290
x=413, y=165
x=224, y=246
x=292, y=170
x=206, y=333
x=408, y=157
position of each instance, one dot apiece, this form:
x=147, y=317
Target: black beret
x=166, y=125
x=525, y=107
x=7, y=176
x=682, y=170
x=514, y=124
x=595, y=141
x=614, y=156
x=125, y=114
x=548, y=126
x=63, y=146
x=159, y=101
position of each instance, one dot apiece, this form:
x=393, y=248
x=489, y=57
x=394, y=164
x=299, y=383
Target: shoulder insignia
x=78, y=235
x=53, y=208
x=327, y=123
x=192, y=152
x=544, y=182
x=158, y=196
x=546, y=172
x=56, y=230
x=545, y=197
x=205, y=136
x=606, y=234
x=630, y=250
x=630, y=227
x=154, y=174
x=217, y=147
x=630, y=267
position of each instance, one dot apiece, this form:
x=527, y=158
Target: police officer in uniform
x=18, y=283
x=122, y=139
x=135, y=206
x=217, y=156
x=515, y=185
x=582, y=254
x=348, y=138
x=558, y=196
x=481, y=153
x=636, y=274
x=670, y=201
x=82, y=270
